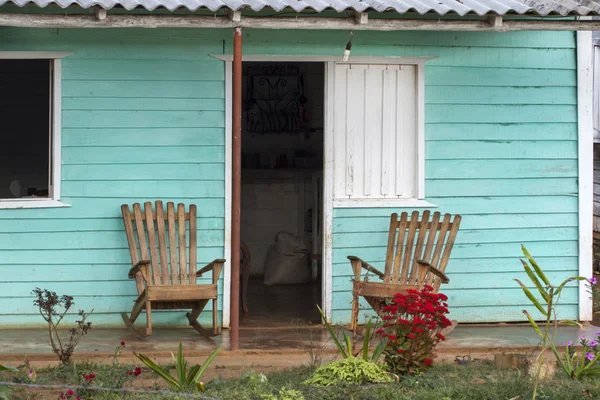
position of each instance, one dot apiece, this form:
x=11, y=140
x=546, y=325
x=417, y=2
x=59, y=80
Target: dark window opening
x=25, y=128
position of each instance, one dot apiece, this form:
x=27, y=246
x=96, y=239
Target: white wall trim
x=33, y=55
x=368, y=203
x=228, y=158
x=328, y=172
x=56, y=128
x=31, y=203
x=585, y=125
x=54, y=189
x=420, y=132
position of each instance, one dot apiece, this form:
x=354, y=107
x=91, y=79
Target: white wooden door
x=375, y=131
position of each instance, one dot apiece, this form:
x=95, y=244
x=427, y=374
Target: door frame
x=329, y=62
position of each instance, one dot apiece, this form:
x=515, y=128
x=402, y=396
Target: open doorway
x=282, y=187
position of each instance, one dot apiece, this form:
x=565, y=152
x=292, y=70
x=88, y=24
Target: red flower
x=400, y=351
x=61, y=396
x=440, y=336
x=78, y=398
x=387, y=317
x=138, y=371
x=427, y=361
x=122, y=343
x=379, y=331
x=443, y=297
x=69, y=392
x=428, y=288
x=411, y=336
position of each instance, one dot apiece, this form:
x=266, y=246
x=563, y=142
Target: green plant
x=53, y=309
x=412, y=326
x=345, y=349
x=578, y=364
x=550, y=296
x=184, y=380
x=283, y=394
x=349, y=370
x=5, y=391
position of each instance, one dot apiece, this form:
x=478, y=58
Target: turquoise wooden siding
x=144, y=118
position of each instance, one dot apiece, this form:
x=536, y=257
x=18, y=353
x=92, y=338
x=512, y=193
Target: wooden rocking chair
x=403, y=269
x=165, y=273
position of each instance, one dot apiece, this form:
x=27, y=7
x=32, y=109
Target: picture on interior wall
x=275, y=100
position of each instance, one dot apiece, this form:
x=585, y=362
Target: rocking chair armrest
x=210, y=266
x=141, y=267
x=367, y=266
x=443, y=277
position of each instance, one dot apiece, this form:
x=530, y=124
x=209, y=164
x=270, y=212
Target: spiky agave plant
x=184, y=380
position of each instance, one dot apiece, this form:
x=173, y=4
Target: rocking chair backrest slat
x=183, y=275
x=152, y=241
x=415, y=269
x=435, y=259
x=389, y=257
x=412, y=228
x=193, y=243
x=163, y=242
x=133, y=252
x=448, y=249
x=432, y=229
x=432, y=243
x=399, y=245
x=172, y=243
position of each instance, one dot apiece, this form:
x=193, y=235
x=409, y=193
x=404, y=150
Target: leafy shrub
x=348, y=371
x=53, y=309
x=412, y=326
x=345, y=349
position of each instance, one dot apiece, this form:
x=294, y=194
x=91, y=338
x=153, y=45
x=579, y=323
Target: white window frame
x=419, y=200
x=53, y=199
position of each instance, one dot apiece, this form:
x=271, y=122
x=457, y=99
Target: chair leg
x=138, y=306
x=148, y=318
x=193, y=317
x=245, y=277
x=216, y=328
x=354, y=321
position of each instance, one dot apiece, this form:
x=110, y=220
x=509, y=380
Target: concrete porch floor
x=275, y=346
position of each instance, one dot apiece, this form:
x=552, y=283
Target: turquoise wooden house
x=481, y=108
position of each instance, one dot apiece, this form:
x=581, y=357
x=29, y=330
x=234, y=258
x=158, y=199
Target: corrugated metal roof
x=441, y=7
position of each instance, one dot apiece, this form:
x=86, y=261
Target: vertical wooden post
x=236, y=160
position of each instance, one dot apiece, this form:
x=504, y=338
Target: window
x=378, y=134
x=30, y=133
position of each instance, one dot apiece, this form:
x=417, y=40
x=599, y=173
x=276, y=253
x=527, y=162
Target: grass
x=474, y=381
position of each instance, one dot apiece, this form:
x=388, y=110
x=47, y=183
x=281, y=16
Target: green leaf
x=533, y=324
x=5, y=392
x=532, y=298
x=205, y=365
x=570, y=323
x=366, y=340
x=8, y=368
x=535, y=281
x=333, y=335
x=193, y=372
x=566, y=367
x=535, y=266
x=571, y=279
x=158, y=370
x=378, y=351
x=348, y=345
